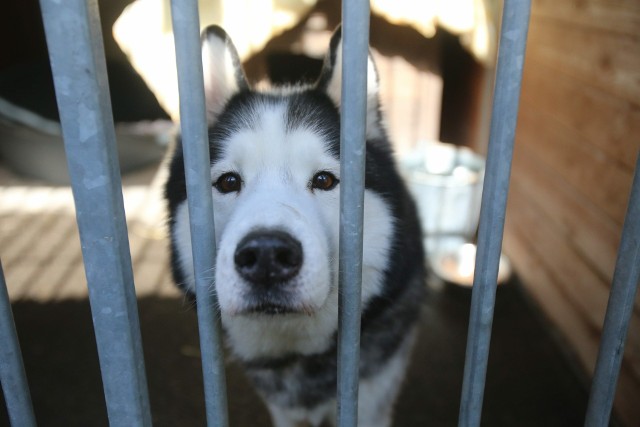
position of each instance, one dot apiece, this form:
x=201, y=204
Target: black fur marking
x=314, y=111
x=311, y=380
x=296, y=380
x=310, y=109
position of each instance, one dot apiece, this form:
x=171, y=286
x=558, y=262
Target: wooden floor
x=40, y=246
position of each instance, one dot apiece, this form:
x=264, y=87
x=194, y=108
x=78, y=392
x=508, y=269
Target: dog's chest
x=295, y=381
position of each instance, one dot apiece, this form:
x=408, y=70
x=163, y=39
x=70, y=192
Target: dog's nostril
x=246, y=257
x=268, y=257
x=287, y=257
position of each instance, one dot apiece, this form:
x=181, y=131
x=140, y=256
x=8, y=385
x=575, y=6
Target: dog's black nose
x=268, y=257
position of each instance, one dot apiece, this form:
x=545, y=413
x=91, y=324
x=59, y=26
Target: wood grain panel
x=585, y=168
x=582, y=339
x=576, y=148
x=591, y=234
x=586, y=295
x=604, y=60
x=617, y=16
x=598, y=118
x=584, y=342
x=587, y=291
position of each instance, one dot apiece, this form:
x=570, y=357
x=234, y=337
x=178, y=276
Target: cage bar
x=355, y=48
x=513, y=38
x=195, y=145
x=619, y=309
x=78, y=64
x=12, y=375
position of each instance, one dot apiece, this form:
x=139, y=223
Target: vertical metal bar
x=355, y=51
x=195, y=145
x=619, y=309
x=76, y=52
x=513, y=37
x=12, y=375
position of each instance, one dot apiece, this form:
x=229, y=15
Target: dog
x=275, y=177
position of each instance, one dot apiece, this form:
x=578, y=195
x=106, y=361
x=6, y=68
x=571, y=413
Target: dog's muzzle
x=268, y=258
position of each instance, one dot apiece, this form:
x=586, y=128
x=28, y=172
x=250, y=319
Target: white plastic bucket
x=446, y=181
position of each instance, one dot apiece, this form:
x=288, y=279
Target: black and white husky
x=275, y=179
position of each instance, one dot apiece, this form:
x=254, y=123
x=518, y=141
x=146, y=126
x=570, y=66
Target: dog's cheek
x=328, y=209
x=228, y=284
x=315, y=286
x=377, y=237
x=224, y=282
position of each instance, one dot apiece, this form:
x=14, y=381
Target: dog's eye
x=228, y=182
x=324, y=181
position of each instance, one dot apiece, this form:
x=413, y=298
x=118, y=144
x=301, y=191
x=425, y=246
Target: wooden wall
x=576, y=146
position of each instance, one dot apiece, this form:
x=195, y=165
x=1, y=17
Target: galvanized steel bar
x=76, y=52
x=513, y=37
x=619, y=309
x=12, y=375
x=355, y=48
x=195, y=145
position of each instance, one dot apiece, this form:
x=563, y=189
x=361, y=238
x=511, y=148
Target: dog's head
x=275, y=173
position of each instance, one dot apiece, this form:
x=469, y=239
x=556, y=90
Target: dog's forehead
x=293, y=132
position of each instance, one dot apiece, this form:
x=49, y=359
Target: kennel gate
x=77, y=57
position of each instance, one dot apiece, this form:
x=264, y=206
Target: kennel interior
x=575, y=151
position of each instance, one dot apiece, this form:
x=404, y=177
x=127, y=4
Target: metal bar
x=195, y=145
x=513, y=37
x=355, y=48
x=76, y=52
x=12, y=375
x=619, y=309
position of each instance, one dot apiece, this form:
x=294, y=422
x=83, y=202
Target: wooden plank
x=151, y=270
x=26, y=237
x=582, y=339
x=587, y=289
x=10, y=228
x=604, y=60
x=15, y=278
x=584, y=167
x=19, y=210
x=598, y=118
x=591, y=233
x=36, y=200
x=64, y=253
x=625, y=404
x=617, y=16
x=555, y=304
x=42, y=253
x=588, y=293
x=404, y=82
x=428, y=104
x=74, y=283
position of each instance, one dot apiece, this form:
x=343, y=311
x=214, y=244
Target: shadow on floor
x=530, y=382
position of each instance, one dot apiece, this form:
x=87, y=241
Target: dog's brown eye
x=228, y=182
x=324, y=181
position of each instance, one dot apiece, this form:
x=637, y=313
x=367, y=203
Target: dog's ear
x=330, y=81
x=222, y=69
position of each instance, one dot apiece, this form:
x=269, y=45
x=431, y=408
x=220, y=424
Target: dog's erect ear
x=222, y=69
x=330, y=81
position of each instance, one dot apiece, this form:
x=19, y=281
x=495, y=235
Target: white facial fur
x=276, y=167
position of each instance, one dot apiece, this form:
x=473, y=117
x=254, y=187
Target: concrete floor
x=530, y=380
